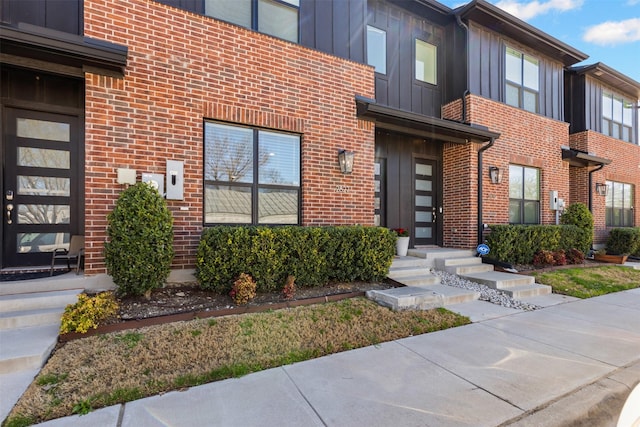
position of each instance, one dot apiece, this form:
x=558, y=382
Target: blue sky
x=606, y=30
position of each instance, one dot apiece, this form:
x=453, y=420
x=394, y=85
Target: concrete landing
x=421, y=298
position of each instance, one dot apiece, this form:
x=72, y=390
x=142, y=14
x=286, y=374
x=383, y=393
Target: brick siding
x=526, y=139
x=184, y=68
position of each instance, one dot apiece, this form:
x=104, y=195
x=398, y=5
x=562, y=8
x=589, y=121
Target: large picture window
x=522, y=80
x=377, y=49
x=524, y=195
x=617, y=117
x=278, y=18
x=251, y=176
x=619, y=204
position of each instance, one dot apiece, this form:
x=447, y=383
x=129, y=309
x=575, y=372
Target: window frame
x=521, y=85
x=523, y=201
x=255, y=186
x=625, y=216
x=255, y=16
x=609, y=122
x=435, y=61
x=383, y=32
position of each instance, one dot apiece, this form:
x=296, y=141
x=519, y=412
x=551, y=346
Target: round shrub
x=139, y=249
x=579, y=215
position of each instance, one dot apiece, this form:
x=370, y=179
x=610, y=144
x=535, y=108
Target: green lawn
x=584, y=282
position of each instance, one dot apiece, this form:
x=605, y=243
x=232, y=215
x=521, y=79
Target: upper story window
x=524, y=195
x=251, y=176
x=377, y=49
x=278, y=18
x=617, y=117
x=619, y=204
x=522, y=80
x=426, y=62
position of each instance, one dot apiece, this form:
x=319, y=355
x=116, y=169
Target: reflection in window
x=524, y=195
x=617, y=117
x=43, y=186
x=251, y=176
x=377, y=49
x=42, y=129
x=43, y=158
x=522, y=80
x=278, y=18
x=43, y=214
x=41, y=242
x=619, y=204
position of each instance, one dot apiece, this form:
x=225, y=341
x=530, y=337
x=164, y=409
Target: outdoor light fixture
x=602, y=189
x=345, y=158
x=495, y=174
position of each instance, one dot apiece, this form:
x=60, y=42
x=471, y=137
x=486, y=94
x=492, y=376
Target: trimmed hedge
x=517, y=244
x=314, y=255
x=624, y=241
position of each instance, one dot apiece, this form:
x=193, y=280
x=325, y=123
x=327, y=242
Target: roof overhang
x=31, y=46
x=582, y=159
x=504, y=23
x=610, y=76
x=420, y=125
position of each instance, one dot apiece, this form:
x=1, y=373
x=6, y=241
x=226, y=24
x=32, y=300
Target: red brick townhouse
x=239, y=110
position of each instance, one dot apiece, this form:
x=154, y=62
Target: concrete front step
x=27, y=318
x=499, y=280
x=462, y=265
x=421, y=298
x=26, y=348
x=527, y=291
x=400, y=272
x=37, y=301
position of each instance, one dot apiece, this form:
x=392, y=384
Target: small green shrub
x=624, y=241
x=314, y=255
x=518, y=244
x=578, y=214
x=139, y=249
x=243, y=289
x=88, y=312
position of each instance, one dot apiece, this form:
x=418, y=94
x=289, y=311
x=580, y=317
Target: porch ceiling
x=32, y=46
x=420, y=125
x=582, y=159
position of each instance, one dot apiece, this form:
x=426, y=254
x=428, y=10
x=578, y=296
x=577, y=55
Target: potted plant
x=402, y=241
x=602, y=256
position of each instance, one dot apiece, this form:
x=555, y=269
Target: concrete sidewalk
x=574, y=362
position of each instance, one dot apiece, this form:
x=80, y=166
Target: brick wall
x=624, y=167
x=183, y=68
x=526, y=139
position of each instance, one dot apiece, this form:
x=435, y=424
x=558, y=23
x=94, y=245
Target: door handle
x=9, y=209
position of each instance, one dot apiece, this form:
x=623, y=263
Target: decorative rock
x=486, y=293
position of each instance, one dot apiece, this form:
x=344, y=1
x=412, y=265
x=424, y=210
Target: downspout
x=464, y=119
x=480, y=168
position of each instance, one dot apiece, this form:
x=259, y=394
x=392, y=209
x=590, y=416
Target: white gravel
x=486, y=293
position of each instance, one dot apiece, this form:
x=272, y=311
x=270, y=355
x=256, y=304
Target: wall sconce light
x=345, y=158
x=495, y=174
x=602, y=189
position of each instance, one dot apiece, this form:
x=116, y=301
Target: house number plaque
x=342, y=189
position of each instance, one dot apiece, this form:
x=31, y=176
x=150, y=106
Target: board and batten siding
x=398, y=88
x=486, y=71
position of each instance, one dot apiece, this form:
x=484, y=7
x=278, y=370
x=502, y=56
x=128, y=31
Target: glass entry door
x=425, y=211
x=39, y=178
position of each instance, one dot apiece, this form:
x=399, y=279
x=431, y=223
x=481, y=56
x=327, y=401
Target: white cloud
x=632, y=2
x=528, y=10
x=612, y=32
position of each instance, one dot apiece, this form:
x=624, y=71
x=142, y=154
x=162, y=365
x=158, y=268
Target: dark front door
x=40, y=152
x=426, y=215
